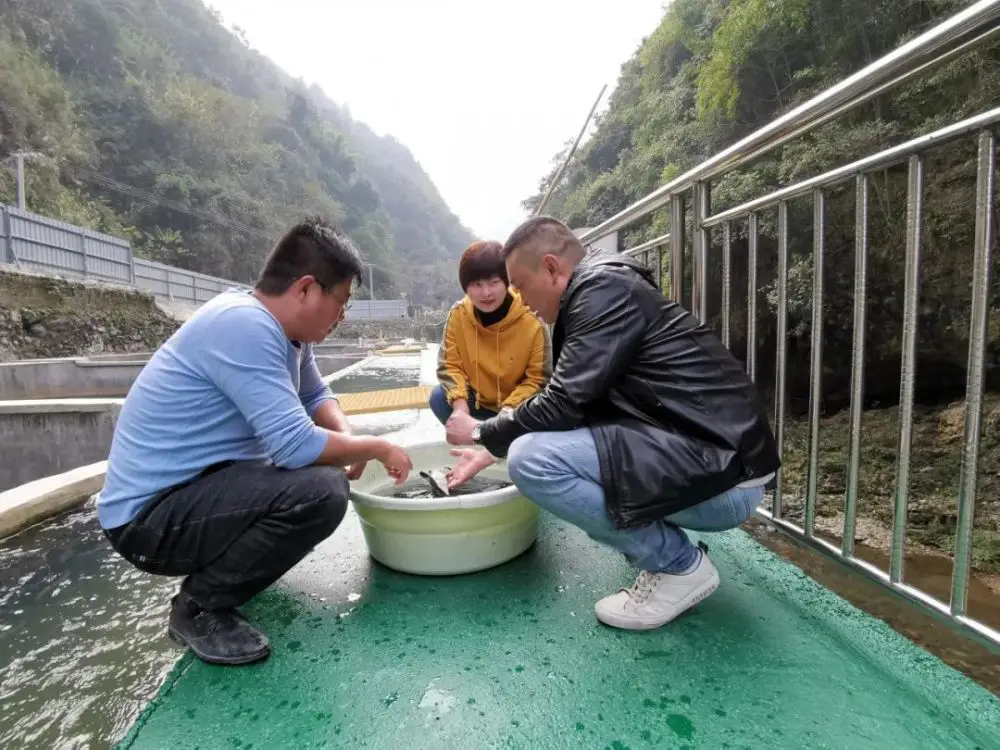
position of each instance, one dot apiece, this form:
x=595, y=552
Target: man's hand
x=356, y=470
x=396, y=462
x=471, y=461
x=458, y=428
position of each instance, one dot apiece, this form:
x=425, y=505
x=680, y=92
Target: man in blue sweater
x=227, y=462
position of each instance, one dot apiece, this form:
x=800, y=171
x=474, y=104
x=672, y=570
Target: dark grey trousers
x=235, y=529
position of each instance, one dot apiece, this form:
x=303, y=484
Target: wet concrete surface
x=513, y=657
x=930, y=573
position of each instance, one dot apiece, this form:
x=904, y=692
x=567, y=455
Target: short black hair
x=481, y=261
x=559, y=238
x=314, y=247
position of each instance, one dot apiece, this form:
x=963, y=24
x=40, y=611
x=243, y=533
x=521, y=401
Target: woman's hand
x=471, y=461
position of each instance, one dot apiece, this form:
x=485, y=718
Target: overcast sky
x=483, y=94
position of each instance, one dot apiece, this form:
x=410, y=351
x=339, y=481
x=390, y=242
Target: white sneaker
x=657, y=598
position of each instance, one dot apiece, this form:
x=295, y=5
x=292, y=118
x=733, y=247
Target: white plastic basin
x=442, y=535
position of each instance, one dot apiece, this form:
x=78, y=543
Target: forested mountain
x=716, y=70
x=154, y=121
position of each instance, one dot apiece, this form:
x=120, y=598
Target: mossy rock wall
x=43, y=317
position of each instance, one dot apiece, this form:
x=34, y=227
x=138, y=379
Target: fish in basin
x=434, y=483
x=438, y=480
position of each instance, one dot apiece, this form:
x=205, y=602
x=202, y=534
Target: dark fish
x=438, y=481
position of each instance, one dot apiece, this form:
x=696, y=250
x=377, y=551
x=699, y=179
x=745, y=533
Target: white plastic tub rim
x=428, y=455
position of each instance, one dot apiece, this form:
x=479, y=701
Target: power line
x=97, y=178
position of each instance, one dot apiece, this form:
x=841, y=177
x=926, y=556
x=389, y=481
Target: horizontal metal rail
x=888, y=158
x=652, y=244
x=920, y=54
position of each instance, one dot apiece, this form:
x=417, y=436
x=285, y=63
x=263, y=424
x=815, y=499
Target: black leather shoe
x=216, y=637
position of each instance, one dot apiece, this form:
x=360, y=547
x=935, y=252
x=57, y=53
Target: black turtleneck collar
x=488, y=319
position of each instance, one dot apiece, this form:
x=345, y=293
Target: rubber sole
x=627, y=623
x=231, y=662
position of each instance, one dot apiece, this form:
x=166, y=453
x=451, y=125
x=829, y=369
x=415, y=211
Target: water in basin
x=418, y=487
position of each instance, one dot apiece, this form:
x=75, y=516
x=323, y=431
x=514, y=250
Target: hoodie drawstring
x=476, y=358
x=499, y=392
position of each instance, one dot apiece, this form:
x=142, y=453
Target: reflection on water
x=83, y=644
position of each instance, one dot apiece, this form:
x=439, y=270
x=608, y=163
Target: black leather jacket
x=674, y=415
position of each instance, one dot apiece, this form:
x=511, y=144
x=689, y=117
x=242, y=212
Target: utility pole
x=371, y=282
x=19, y=179
x=19, y=157
x=558, y=175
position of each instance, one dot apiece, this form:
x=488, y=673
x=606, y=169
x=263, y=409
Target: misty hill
x=156, y=122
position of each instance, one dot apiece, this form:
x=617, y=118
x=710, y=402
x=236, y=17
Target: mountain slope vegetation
x=150, y=119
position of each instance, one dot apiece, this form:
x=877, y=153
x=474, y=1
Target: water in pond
x=418, y=487
x=82, y=645
x=384, y=372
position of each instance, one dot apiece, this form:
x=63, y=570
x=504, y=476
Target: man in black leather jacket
x=648, y=425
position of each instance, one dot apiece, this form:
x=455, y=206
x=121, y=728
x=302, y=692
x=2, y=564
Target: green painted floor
x=513, y=658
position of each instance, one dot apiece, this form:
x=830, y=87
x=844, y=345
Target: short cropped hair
x=482, y=260
x=559, y=238
x=311, y=248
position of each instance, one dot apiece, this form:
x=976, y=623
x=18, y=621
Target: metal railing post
x=978, y=333
x=699, y=285
x=659, y=267
x=753, y=234
x=816, y=360
x=911, y=299
x=677, y=248
x=727, y=263
x=782, y=351
x=857, y=360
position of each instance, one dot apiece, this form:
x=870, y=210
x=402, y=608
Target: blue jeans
x=559, y=471
x=442, y=409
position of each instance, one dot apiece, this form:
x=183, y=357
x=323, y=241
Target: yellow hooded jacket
x=504, y=363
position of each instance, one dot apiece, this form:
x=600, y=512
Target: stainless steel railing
x=974, y=26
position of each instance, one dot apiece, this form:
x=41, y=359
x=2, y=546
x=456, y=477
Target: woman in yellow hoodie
x=495, y=353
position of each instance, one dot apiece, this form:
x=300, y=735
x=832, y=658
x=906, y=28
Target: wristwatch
x=475, y=433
